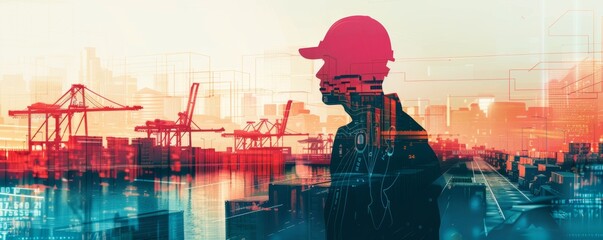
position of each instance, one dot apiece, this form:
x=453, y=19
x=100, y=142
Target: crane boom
x=168, y=132
x=263, y=134
x=285, y=118
x=190, y=106
x=77, y=100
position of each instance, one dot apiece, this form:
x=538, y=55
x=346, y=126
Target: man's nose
x=320, y=73
x=326, y=71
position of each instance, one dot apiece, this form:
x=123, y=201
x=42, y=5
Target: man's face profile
x=355, y=51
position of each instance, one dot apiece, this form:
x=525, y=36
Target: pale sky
x=474, y=43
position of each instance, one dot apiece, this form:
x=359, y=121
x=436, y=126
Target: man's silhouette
x=382, y=168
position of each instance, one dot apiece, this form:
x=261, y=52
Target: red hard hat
x=353, y=39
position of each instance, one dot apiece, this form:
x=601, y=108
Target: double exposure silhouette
x=382, y=168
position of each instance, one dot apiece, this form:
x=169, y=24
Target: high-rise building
x=120, y=89
x=173, y=105
x=504, y=123
x=46, y=89
x=297, y=108
x=153, y=104
x=213, y=106
x=116, y=88
x=14, y=94
x=574, y=103
x=92, y=74
x=249, y=106
x=469, y=124
x=435, y=119
x=270, y=110
x=304, y=123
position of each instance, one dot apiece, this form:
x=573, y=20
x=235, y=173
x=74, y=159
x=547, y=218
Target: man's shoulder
x=406, y=122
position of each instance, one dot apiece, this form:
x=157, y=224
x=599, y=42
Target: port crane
x=263, y=134
x=68, y=112
x=319, y=144
x=171, y=133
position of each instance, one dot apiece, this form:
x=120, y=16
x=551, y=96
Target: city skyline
x=439, y=119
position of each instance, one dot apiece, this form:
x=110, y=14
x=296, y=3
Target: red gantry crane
x=168, y=132
x=318, y=145
x=78, y=100
x=263, y=134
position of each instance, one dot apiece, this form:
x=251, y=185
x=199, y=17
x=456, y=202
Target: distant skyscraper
x=120, y=89
x=270, y=110
x=46, y=89
x=468, y=123
x=249, y=106
x=152, y=101
x=296, y=108
x=14, y=94
x=92, y=74
x=173, y=105
x=213, y=106
x=435, y=119
x=101, y=80
x=305, y=123
x=504, y=123
x=574, y=104
x=499, y=111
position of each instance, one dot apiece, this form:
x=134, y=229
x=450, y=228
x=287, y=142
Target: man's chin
x=331, y=99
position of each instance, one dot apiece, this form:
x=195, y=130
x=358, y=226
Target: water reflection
x=153, y=203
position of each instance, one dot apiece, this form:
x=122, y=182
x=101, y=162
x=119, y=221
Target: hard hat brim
x=311, y=52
